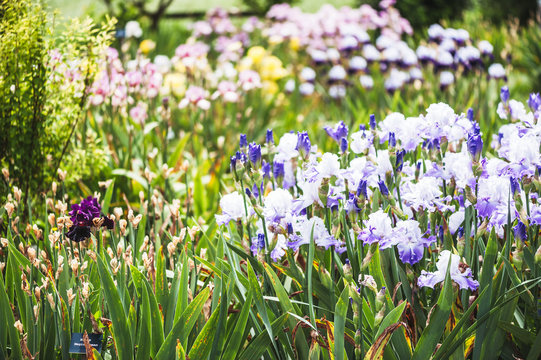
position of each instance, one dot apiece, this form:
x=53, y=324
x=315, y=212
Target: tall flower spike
x=469, y=114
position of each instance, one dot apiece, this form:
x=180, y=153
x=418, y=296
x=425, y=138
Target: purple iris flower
x=343, y=145
x=534, y=102
x=383, y=188
x=362, y=189
x=243, y=142
x=258, y=243
x=254, y=154
x=504, y=94
x=464, y=278
x=338, y=132
x=303, y=144
x=270, y=137
x=278, y=170
x=520, y=231
x=233, y=163
x=372, y=122
x=469, y=114
x=475, y=146
x=82, y=216
x=515, y=185
x=266, y=170
x=392, y=139
x=400, y=160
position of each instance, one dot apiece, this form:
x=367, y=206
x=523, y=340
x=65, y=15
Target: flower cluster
x=403, y=183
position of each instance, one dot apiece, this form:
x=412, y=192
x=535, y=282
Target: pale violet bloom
x=378, y=230
x=464, y=279
x=366, y=81
x=305, y=228
x=232, y=206
x=361, y=141
x=278, y=205
x=409, y=241
x=287, y=147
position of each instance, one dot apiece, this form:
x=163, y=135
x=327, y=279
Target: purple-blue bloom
x=338, y=132
x=254, y=154
x=383, y=188
x=372, y=122
x=463, y=279
x=475, y=146
x=504, y=94
x=269, y=137
x=303, y=144
x=243, y=142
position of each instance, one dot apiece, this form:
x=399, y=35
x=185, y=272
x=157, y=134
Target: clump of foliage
x=43, y=87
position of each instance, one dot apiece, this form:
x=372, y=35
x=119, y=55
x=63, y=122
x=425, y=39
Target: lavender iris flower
x=266, y=170
x=258, y=243
x=464, y=279
x=504, y=94
x=338, y=132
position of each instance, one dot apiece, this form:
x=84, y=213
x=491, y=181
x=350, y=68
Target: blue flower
x=362, y=189
x=534, y=102
x=383, y=188
x=258, y=243
x=400, y=160
x=266, y=170
x=469, y=114
x=520, y=231
x=270, y=137
x=343, y=145
x=254, y=154
x=243, y=142
x=515, y=185
x=82, y=217
x=338, y=132
x=372, y=122
x=278, y=170
x=392, y=139
x=303, y=144
x=475, y=146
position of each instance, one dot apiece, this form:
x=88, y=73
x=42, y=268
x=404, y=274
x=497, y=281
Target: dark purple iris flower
x=82, y=217
x=520, y=231
x=504, y=94
x=475, y=146
x=270, y=137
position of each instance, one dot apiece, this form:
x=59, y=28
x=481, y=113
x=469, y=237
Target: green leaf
x=261, y=343
x=232, y=348
x=340, y=323
x=8, y=321
x=392, y=317
x=432, y=333
x=122, y=337
x=183, y=326
x=204, y=341
x=107, y=198
x=145, y=330
x=260, y=304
